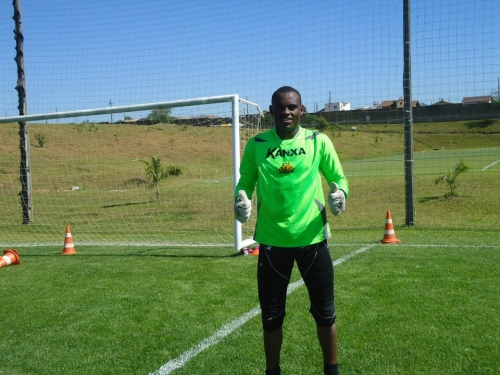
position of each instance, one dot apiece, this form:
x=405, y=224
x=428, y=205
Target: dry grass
x=102, y=162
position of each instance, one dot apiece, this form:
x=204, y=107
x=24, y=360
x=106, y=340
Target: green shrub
x=41, y=139
x=481, y=124
x=319, y=122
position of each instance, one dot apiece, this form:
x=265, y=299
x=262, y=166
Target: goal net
x=160, y=174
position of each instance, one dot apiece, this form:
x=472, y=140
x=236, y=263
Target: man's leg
x=273, y=275
x=316, y=267
x=327, y=337
x=272, y=348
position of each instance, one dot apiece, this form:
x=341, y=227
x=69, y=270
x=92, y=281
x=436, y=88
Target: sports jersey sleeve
x=330, y=165
x=248, y=171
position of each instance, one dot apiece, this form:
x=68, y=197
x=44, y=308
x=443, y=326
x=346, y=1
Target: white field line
x=119, y=243
x=227, y=329
x=492, y=164
x=210, y=245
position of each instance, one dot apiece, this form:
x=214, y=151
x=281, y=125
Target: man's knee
x=325, y=319
x=270, y=324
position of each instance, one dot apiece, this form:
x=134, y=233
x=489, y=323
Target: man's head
x=286, y=108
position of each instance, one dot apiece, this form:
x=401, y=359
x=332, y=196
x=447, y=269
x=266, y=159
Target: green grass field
x=428, y=305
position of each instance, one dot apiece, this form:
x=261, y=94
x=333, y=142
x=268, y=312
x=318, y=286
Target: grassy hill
x=102, y=161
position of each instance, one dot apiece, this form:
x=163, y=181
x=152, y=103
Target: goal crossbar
x=127, y=108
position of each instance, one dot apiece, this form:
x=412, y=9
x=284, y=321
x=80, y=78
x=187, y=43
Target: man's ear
x=271, y=109
x=302, y=109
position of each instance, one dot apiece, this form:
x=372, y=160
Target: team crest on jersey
x=286, y=168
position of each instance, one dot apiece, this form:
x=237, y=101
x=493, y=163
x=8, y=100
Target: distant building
x=441, y=102
x=131, y=121
x=337, y=106
x=400, y=103
x=146, y=121
x=477, y=100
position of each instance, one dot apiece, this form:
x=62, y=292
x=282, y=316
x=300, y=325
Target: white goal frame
x=240, y=240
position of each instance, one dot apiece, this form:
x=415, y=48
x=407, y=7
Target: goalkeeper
x=285, y=165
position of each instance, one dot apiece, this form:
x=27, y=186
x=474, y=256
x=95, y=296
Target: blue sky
x=83, y=53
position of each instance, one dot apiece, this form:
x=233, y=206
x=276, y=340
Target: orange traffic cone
x=10, y=257
x=69, y=247
x=389, y=234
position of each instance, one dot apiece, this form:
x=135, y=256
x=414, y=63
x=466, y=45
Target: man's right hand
x=336, y=199
x=242, y=207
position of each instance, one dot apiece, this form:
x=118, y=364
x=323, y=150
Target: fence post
x=408, y=119
x=24, y=140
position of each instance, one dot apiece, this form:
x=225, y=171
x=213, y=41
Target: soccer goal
x=149, y=174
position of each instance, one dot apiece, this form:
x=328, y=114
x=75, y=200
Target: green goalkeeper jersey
x=287, y=173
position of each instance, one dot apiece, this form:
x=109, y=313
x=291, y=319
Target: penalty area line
x=229, y=328
x=189, y=354
x=492, y=164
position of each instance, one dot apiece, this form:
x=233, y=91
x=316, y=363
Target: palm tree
x=156, y=173
x=450, y=177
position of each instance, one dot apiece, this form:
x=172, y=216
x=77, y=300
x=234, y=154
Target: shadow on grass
x=430, y=199
x=440, y=198
x=125, y=204
x=143, y=253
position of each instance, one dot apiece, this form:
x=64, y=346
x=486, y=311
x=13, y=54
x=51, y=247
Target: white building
x=337, y=106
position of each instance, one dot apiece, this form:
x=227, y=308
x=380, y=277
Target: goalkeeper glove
x=336, y=199
x=242, y=207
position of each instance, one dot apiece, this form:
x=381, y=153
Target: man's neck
x=290, y=135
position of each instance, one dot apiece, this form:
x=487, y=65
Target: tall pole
x=235, y=108
x=408, y=119
x=111, y=104
x=24, y=140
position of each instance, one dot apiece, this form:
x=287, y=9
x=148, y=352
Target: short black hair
x=284, y=90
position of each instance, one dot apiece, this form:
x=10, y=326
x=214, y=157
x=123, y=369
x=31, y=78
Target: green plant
x=319, y=122
x=268, y=120
x=157, y=173
x=80, y=127
x=174, y=171
x=41, y=139
x=480, y=123
x=451, y=176
x=93, y=128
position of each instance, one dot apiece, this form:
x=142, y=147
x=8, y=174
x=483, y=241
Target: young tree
x=156, y=173
x=451, y=176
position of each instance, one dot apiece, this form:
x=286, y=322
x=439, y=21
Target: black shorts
x=273, y=276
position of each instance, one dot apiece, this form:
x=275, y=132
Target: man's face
x=286, y=110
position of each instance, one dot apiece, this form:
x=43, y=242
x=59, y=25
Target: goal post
x=97, y=174
x=242, y=238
